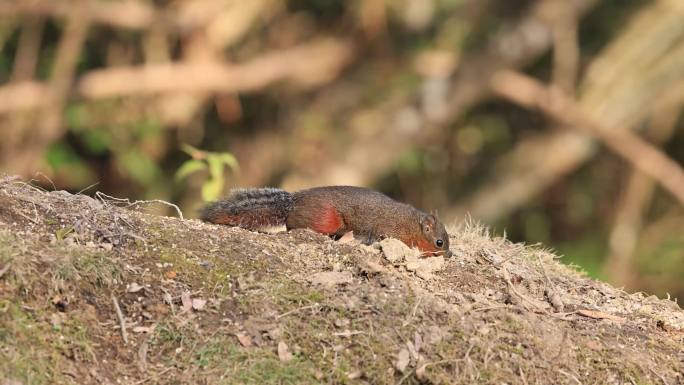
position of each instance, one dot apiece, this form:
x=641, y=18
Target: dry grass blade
x=121, y=318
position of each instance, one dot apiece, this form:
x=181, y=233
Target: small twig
x=406, y=376
x=54, y=188
x=4, y=269
x=122, y=321
x=28, y=185
x=142, y=357
x=101, y=196
x=541, y=264
x=486, y=308
x=178, y=210
x=552, y=291
x=659, y=376
x=297, y=310
x=413, y=313
x=32, y=220
x=348, y=333
x=87, y=188
x=560, y=348
x=435, y=363
x=507, y=278
x=570, y=375
x=522, y=375
x=150, y=377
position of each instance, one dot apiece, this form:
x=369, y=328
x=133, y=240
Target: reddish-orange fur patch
x=422, y=244
x=224, y=219
x=328, y=221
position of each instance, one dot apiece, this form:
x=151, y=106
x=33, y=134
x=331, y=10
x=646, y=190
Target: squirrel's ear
x=428, y=222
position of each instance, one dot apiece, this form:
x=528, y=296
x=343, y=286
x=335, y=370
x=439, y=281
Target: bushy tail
x=251, y=209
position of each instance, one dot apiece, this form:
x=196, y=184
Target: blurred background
x=182, y=100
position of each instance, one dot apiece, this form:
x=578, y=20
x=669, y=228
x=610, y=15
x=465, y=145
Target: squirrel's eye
x=439, y=243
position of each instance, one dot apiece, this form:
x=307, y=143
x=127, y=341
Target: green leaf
x=211, y=189
x=97, y=141
x=190, y=150
x=188, y=168
x=215, y=166
x=214, y=186
x=229, y=160
x=60, y=154
x=76, y=116
x=139, y=166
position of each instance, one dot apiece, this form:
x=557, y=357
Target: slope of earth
x=95, y=293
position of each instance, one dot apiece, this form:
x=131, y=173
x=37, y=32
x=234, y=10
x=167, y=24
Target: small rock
x=434, y=335
x=244, y=339
x=341, y=322
x=417, y=341
x=56, y=320
x=420, y=372
x=554, y=299
x=412, y=350
x=403, y=359
x=186, y=300
x=354, y=374
x=425, y=267
x=594, y=345
x=347, y=237
x=412, y=262
x=396, y=251
x=284, y=353
x=143, y=329
x=198, y=303
x=134, y=288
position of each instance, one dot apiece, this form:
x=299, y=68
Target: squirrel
x=334, y=211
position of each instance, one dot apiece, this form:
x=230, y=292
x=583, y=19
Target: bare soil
x=207, y=304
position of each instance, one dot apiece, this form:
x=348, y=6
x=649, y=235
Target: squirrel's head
x=436, y=237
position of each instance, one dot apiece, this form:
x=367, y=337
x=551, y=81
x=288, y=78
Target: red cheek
x=422, y=244
x=328, y=221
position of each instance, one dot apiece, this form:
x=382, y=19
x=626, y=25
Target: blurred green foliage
x=216, y=163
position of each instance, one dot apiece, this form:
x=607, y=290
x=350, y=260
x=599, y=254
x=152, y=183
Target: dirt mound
x=91, y=292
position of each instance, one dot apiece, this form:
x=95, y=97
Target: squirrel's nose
x=448, y=254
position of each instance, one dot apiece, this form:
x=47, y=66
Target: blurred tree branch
x=128, y=14
x=306, y=65
x=645, y=157
x=632, y=205
x=374, y=153
x=633, y=74
x=511, y=49
x=57, y=89
x=566, y=52
x=28, y=51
